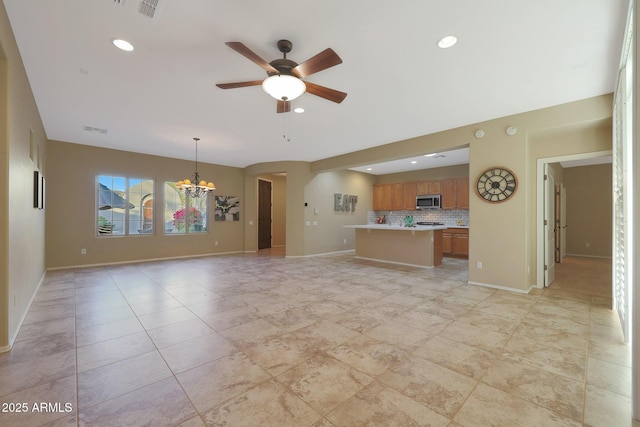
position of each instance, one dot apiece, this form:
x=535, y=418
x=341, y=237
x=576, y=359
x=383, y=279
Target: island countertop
x=419, y=246
x=399, y=227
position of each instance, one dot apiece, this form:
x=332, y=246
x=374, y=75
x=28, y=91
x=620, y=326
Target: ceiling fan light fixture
x=284, y=87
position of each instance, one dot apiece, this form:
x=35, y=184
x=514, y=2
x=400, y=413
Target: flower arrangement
x=181, y=218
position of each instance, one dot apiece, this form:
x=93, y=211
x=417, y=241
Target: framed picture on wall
x=36, y=189
x=42, y=192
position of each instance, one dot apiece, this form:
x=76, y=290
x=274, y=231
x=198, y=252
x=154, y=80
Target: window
x=183, y=214
x=125, y=206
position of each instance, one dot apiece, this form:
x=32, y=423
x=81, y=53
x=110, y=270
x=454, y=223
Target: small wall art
x=227, y=208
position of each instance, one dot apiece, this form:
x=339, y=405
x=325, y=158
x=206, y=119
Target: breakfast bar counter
x=418, y=246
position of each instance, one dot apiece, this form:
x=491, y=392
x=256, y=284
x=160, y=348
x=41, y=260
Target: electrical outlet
x=215, y=243
x=83, y=251
x=345, y=241
x=479, y=265
x=587, y=244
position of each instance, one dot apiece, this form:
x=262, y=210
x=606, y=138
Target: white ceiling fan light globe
x=284, y=87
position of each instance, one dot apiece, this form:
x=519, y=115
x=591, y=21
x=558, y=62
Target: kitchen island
x=419, y=246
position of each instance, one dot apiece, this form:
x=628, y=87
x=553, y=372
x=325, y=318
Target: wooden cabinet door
x=422, y=188
x=397, y=197
x=427, y=187
x=410, y=195
x=461, y=245
x=381, y=197
x=433, y=187
x=448, y=192
x=462, y=193
x=447, y=243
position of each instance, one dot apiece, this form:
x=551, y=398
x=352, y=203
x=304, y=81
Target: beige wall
x=326, y=232
x=22, y=228
x=425, y=174
x=71, y=207
x=589, y=212
x=298, y=175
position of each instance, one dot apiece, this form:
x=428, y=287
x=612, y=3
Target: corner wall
x=22, y=150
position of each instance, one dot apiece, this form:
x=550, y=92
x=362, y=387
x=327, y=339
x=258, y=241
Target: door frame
x=549, y=224
x=258, y=213
x=540, y=194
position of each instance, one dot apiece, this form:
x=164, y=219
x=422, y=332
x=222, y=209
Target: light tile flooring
x=252, y=340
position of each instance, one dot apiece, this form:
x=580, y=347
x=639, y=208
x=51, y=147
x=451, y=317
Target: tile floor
x=253, y=340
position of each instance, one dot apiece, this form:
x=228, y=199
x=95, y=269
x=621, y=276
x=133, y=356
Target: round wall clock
x=496, y=184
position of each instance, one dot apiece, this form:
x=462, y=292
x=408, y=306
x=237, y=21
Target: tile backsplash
x=452, y=218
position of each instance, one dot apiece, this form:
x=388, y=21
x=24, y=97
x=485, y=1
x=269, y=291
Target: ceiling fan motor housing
x=284, y=66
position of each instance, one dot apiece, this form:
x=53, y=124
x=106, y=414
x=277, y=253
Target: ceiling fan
x=284, y=81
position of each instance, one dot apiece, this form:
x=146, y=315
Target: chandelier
x=195, y=187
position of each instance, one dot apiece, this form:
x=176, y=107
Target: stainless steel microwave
x=429, y=201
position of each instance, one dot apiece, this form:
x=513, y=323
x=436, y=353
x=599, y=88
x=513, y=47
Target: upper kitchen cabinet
x=455, y=193
x=388, y=197
x=427, y=187
x=410, y=195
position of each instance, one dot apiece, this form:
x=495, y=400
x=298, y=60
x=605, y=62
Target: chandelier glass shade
x=195, y=187
x=284, y=87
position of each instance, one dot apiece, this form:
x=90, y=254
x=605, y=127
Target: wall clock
x=496, y=184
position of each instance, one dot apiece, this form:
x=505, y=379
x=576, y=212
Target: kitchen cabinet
x=381, y=197
x=388, y=197
x=410, y=195
x=427, y=187
x=455, y=193
x=455, y=242
x=402, y=196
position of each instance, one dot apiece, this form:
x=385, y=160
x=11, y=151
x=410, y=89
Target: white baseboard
x=588, y=256
x=140, y=261
x=502, y=288
x=322, y=254
x=394, y=262
x=12, y=339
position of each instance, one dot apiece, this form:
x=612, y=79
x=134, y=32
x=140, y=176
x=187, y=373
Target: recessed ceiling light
x=447, y=41
x=298, y=110
x=123, y=45
x=369, y=169
x=413, y=162
x=431, y=155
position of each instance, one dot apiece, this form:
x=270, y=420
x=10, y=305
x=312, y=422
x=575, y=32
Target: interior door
x=549, y=226
x=264, y=214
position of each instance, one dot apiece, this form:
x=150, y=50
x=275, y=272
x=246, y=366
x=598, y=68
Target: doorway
x=264, y=213
x=546, y=196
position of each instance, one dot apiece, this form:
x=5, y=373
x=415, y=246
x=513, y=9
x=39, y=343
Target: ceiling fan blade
x=325, y=92
x=325, y=59
x=250, y=55
x=283, y=106
x=239, y=84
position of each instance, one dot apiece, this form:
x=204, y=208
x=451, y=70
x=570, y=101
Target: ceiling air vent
x=148, y=7
x=94, y=129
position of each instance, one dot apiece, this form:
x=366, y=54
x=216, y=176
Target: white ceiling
x=426, y=161
x=511, y=57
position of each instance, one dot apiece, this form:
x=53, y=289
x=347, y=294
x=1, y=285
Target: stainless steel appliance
x=429, y=201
